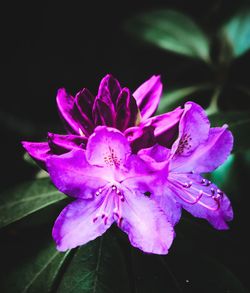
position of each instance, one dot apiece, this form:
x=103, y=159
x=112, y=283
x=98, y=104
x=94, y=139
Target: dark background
x=46, y=45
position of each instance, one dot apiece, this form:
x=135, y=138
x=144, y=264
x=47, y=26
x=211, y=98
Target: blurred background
x=200, y=49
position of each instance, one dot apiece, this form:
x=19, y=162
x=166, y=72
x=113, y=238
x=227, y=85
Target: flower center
x=111, y=159
x=111, y=206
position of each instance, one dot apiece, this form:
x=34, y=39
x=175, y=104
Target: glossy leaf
x=173, y=98
x=237, y=32
x=37, y=273
x=97, y=267
x=26, y=199
x=239, y=124
x=171, y=30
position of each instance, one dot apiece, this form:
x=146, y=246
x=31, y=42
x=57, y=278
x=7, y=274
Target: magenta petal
x=127, y=112
x=193, y=129
x=65, y=104
x=148, y=96
x=209, y=155
x=140, y=137
x=61, y=144
x=103, y=113
x=39, y=151
x=109, y=89
x=166, y=126
x=146, y=225
x=83, y=105
x=72, y=174
x=202, y=199
x=107, y=147
x=76, y=224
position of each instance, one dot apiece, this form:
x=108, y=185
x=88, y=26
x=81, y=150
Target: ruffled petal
x=61, y=144
x=77, y=224
x=65, y=104
x=209, y=155
x=74, y=176
x=39, y=151
x=107, y=147
x=166, y=126
x=146, y=225
x=148, y=96
x=193, y=130
x=202, y=199
x=127, y=112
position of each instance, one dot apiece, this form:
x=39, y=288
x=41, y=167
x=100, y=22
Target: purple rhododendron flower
x=109, y=183
x=198, y=149
x=113, y=107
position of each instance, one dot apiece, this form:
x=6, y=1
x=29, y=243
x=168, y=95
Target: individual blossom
x=115, y=107
x=109, y=184
x=198, y=149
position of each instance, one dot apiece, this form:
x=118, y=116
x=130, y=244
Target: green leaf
x=36, y=273
x=237, y=32
x=171, y=30
x=239, y=124
x=26, y=199
x=97, y=267
x=174, y=97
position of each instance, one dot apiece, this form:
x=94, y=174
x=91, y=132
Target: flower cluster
x=122, y=164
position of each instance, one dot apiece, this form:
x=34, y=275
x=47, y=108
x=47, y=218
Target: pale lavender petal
x=193, y=130
x=74, y=176
x=148, y=96
x=39, y=151
x=107, y=147
x=209, y=155
x=65, y=104
x=166, y=126
x=147, y=226
x=61, y=144
x=77, y=224
x=202, y=199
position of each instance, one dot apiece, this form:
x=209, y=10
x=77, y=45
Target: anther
x=113, y=187
x=94, y=220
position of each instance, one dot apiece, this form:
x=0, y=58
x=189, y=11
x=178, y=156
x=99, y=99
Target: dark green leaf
x=97, y=267
x=237, y=31
x=37, y=273
x=239, y=124
x=27, y=198
x=173, y=98
x=171, y=30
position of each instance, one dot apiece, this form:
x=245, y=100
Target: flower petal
x=166, y=126
x=107, y=147
x=65, y=104
x=61, y=144
x=209, y=155
x=103, y=113
x=39, y=151
x=76, y=224
x=109, y=89
x=148, y=96
x=146, y=225
x=72, y=174
x=193, y=130
x=127, y=112
x=202, y=199
x=83, y=105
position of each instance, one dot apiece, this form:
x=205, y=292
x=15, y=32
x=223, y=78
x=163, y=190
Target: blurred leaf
x=237, y=31
x=239, y=124
x=37, y=273
x=98, y=266
x=27, y=198
x=171, y=30
x=173, y=98
x=27, y=158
